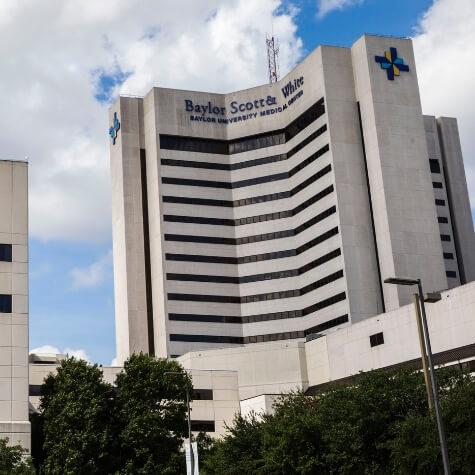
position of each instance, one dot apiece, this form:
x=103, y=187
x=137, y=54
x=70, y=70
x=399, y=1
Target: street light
x=431, y=297
x=190, y=435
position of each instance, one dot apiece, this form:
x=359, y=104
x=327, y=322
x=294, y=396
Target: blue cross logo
x=114, y=128
x=391, y=63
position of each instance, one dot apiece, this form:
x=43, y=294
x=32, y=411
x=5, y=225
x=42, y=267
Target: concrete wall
x=221, y=409
x=14, y=422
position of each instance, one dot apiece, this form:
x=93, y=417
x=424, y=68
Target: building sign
x=246, y=110
x=114, y=128
x=391, y=63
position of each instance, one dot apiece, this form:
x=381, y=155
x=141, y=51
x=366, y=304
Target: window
x=440, y=202
x=5, y=303
x=448, y=255
x=223, y=147
x=451, y=273
x=442, y=219
x=203, y=394
x=437, y=184
x=255, y=277
x=249, y=181
x=203, y=426
x=376, y=339
x=6, y=252
x=35, y=390
x=445, y=238
x=434, y=165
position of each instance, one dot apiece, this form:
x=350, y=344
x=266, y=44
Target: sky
x=64, y=62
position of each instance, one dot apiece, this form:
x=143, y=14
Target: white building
x=275, y=212
x=14, y=422
x=245, y=378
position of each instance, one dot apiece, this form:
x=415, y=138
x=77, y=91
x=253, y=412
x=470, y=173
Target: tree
x=239, y=452
x=151, y=411
x=379, y=425
x=13, y=461
x=77, y=417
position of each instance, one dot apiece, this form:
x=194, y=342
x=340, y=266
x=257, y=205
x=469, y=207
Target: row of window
x=253, y=142
x=260, y=338
x=437, y=184
x=255, y=257
x=254, y=238
x=5, y=303
x=439, y=202
x=244, y=201
x=249, y=181
x=263, y=317
x=224, y=279
x=6, y=252
x=448, y=255
x=445, y=237
x=173, y=218
x=451, y=273
x=247, y=163
x=442, y=219
x=283, y=294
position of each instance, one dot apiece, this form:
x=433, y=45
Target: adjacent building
x=276, y=212
x=14, y=422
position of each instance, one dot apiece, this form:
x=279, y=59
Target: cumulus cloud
x=49, y=349
x=71, y=58
x=93, y=275
x=326, y=6
x=443, y=46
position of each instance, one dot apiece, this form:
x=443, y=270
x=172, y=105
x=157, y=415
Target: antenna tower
x=273, y=58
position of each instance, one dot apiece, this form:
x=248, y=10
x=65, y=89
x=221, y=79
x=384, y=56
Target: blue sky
x=85, y=57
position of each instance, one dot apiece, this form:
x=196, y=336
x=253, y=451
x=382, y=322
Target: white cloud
x=45, y=349
x=443, y=46
x=93, y=275
x=62, y=48
x=115, y=362
x=326, y=6
x=49, y=349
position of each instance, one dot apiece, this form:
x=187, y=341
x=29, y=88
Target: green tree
x=151, y=411
x=13, y=461
x=76, y=411
x=379, y=425
x=239, y=452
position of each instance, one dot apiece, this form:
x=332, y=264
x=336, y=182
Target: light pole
x=190, y=435
x=440, y=424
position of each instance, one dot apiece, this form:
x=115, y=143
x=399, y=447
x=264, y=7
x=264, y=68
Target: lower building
x=250, y=378
x=14, y=423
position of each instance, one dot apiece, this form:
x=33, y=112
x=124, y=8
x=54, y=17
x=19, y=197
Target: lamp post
x=432, y=297
x=190, y=435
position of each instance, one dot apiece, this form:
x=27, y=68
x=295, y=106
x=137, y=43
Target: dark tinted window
x=202, y=426
x=434, y=165
x=448, y=255
x=6, y=252
x=437, y=184
x=203, y=394
x=5, y=303
x=376, y=339
x=445, y=237
x=442, y=219
x=223, y=147
x=451, y=273
x=440, y=202
x=35, y=390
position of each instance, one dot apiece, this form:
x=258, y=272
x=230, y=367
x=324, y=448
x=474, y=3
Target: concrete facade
x=250, y=378
x=275, y=212
x=14, y=422
x=215, y=403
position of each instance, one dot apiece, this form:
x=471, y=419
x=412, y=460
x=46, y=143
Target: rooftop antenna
x=273, y=58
